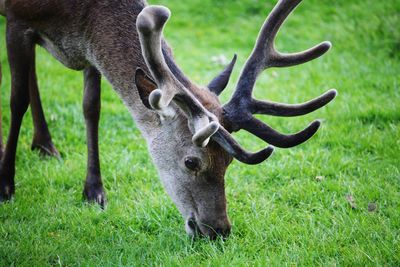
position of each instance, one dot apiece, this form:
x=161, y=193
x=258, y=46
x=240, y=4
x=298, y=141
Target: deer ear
x=221, y=81
x=145, y=86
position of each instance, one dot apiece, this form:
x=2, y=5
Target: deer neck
x=118, y=65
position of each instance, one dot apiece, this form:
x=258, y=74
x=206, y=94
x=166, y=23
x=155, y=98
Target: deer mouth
x=195, y=229
x=192, y=228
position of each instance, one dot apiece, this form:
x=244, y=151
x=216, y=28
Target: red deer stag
x=187, y=130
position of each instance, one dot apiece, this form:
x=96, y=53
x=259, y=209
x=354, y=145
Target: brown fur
x=3, y=7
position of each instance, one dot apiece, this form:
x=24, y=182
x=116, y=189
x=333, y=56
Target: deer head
x=192, y=145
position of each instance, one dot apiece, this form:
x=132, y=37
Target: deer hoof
x=46, y=149
x=7, y=185
x=95, y=194
x=6, y=194
x=7, y=191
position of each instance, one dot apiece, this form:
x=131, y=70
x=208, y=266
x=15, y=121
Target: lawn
x=293, y=209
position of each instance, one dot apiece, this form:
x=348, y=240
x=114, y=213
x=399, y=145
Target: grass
x=281, y=214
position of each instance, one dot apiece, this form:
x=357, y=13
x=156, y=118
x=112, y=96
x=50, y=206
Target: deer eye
x=193, y=163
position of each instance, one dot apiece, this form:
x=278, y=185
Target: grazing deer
x=187, y=130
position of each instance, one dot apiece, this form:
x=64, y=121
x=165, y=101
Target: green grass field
x=281, y=213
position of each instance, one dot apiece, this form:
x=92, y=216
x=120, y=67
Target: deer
x=188, y=131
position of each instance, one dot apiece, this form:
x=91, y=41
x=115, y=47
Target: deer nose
x=221, y=230
x=224, y=232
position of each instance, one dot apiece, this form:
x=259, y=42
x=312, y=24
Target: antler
x=240, y=109
x=150, y=25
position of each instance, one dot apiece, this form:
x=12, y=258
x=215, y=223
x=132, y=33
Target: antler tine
x=277, y=139
x=288, y=60
x=219, y=83
x=150, y=24
x=288, y=110
x=227, y=142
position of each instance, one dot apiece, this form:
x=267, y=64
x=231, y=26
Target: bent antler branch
x=227, y=142
x=240, y=109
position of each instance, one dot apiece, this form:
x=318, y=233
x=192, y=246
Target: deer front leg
x=20, y=48
x=93, y=190
x=41, y=138
x=1, y=119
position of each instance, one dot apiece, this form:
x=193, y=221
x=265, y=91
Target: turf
x=291, y=210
